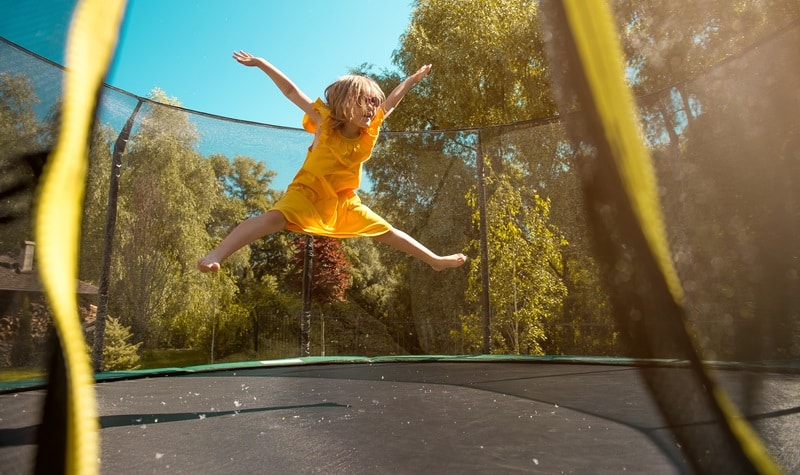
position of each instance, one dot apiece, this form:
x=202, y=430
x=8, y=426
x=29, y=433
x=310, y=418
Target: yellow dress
x=321, y=200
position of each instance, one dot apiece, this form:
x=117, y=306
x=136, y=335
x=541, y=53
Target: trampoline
x=663, y=212
x=444, y=415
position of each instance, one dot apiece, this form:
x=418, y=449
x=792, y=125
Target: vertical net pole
x=305, y=319
x=484, y=249
x=108, y=239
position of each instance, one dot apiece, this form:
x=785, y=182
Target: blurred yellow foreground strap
x=90, y=47
x=596, y=41
x=595, y=36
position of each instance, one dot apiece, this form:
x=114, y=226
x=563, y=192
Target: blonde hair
x=344, y=97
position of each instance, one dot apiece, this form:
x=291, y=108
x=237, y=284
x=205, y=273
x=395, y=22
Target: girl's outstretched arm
x=287, y=87
x=397, y=94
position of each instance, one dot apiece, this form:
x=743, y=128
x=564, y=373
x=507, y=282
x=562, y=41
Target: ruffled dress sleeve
x=322, y=110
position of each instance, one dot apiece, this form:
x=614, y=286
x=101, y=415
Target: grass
x=173, y=358
x=152, y=359
x=21, y=374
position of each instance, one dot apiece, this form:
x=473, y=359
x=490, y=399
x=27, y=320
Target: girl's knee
x=273, y=220
x=387, y=236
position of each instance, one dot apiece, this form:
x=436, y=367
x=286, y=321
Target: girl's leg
x=403, y=242
x=242, y=235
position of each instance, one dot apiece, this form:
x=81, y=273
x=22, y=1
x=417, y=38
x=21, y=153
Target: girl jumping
x=321, y=200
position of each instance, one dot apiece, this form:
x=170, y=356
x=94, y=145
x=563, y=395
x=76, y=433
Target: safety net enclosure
x=625, y=184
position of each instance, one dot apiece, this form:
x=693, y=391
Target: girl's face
x=367, y=107
x=354, y=101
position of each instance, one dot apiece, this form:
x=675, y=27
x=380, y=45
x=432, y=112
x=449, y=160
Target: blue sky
x=184, y=47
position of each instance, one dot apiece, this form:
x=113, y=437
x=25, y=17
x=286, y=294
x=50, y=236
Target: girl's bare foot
x=449, y=262
x=208, y=264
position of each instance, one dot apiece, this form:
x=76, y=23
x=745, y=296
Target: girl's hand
x=400, y=91
x=245, y=58
x=286, y=86
x=421, y=73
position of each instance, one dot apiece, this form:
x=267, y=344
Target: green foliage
x=274, y=317
x=735, y=255
x=225, y=332
x=244, y=183
x=167, y=193
x=373, y=284
x=330, y=269
x=249, y=183
x=20, y=133
x=547, y=293
x=93, y=225
x=119, y=353
x=722, y=143
x=493, y=74
x=350, y=330
x=667, y=43
x=173, y=206
x=489, y=64
x=588, y=326
x=172, y=358
x=19, y=127
x=419, y=186
x=526, y=288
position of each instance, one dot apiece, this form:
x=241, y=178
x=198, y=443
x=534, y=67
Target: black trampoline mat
x=418, y=417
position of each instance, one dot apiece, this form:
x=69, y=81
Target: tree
x=96, y=203
x=495, y=74
x=372, y=282
x=271, y=310
x=544, y=161
x=245, y=186
x=719, y=135
x=20, y=133
x=667, y=44
x=259, y=270
x=167, y=193
x=331, y=276
x=743, y=167
x=246, y=192
x=118, y=352
x=588, y=326
x=525, y=272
